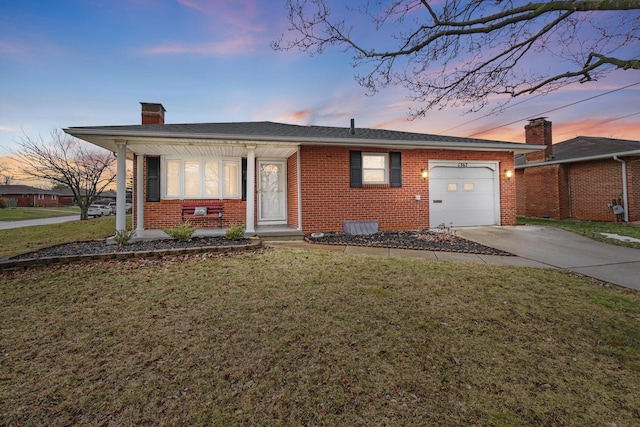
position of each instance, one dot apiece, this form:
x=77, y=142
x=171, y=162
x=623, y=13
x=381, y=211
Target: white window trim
x=221, y=160
x=386, y=168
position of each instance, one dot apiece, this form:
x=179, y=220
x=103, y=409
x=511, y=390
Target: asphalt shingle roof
x=587, y=146
x=275, y=130
x=23, y=189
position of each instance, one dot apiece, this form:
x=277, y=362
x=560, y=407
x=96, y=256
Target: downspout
x=625, y=194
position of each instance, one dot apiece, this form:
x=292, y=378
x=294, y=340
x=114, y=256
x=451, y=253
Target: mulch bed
x=100, y=247
x=429, y=240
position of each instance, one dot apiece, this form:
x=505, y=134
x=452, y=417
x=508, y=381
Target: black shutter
x=395, y=169
x=244, y=179
x=153, y=179
x=355, y=164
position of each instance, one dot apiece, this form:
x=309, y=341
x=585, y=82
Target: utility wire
x=601, y=123
x=554, y=109
x=506, y=107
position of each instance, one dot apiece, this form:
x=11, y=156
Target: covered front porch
x=266, y=208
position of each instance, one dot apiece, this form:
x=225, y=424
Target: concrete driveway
x=562, y=249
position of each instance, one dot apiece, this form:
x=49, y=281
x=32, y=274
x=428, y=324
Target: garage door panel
x=463, y=196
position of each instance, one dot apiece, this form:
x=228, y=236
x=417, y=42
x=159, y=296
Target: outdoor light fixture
x=425, y=173
x=508, y=173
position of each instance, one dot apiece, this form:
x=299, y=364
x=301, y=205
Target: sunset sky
x=91, y=62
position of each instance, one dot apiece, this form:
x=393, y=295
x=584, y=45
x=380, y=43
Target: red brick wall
x=538, y=131
x=577, y=190
x=166, y=213
x=32, y=200
x=542, y=188
x=328, y=200
x=592, y=186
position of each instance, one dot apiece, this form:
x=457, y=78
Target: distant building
x=27, y=196
x=586, y=178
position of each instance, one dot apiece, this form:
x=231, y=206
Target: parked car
x=112, y=205
x=98, y=210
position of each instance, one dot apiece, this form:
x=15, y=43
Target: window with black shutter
x=381, y=168
x=356, y=169
x=153, y=179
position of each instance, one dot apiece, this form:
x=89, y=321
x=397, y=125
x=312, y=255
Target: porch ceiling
x=208, y=150
x=194, y=147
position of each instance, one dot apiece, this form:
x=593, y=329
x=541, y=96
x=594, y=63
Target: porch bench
x=205, y=210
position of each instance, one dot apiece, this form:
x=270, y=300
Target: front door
x=272, y=192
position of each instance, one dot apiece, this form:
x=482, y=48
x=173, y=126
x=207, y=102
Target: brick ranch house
x=307, y=178
x=24, y=196
x=582, y=178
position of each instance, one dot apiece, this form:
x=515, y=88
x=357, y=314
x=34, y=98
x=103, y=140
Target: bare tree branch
x=6, y=175
x=70, y=162
x=461, y=52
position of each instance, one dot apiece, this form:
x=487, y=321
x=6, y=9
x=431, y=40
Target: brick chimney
x=538, y=132
x=152, y=114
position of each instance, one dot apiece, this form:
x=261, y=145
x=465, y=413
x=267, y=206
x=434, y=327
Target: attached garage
x=464, y=193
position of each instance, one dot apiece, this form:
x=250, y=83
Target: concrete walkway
x=535, y=246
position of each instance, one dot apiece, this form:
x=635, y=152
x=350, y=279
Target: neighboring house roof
x=24, y=189
x=69, y=193
x=583, y=148
x=139, y=137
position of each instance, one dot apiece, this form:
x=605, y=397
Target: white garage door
x=463, y=194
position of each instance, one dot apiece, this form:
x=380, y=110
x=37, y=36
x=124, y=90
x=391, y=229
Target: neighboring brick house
x=582, y=178
x=309, y=178
x=67, y=198
x=27, y=196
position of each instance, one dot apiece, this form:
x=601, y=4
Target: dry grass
x=20, y=240
x=16, y=214
x=316, y=338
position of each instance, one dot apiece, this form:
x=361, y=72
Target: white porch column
x=121, y=187
x=139, y=196
x=299, y=172
x=251, y=188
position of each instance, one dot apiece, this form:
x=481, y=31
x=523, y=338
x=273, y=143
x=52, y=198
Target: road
x=5, y=225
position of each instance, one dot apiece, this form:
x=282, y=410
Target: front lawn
x=25, y=239
x=283, y=337
x=17, y=214
x=592, y=229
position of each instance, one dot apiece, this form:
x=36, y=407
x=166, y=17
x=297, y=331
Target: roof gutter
x=625, y=189
x=581, y=159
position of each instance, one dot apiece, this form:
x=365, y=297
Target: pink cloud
x=298, y=116
x=6, y=129
x=237, y=28
x=237, y=46
x=242, y=15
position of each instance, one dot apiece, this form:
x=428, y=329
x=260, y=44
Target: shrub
x=123, y=237
x=235, y=232
x=183, y=232
x=3, y=204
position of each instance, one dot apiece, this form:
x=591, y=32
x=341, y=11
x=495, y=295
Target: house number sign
x=463, y=165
